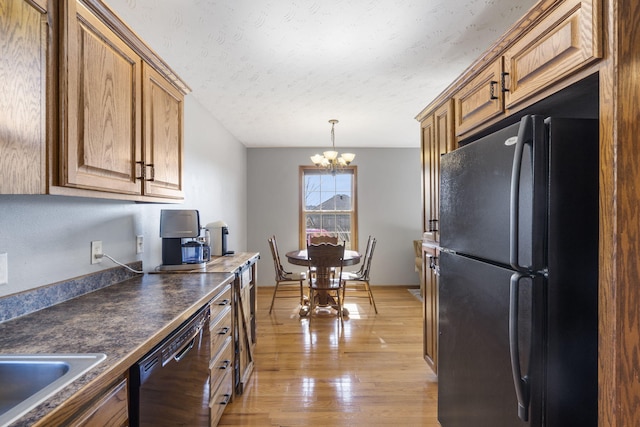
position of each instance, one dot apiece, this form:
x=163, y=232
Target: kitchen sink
x=29, y=379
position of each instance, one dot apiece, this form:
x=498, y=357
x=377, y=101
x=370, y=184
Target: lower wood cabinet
x=111, y=409
x=221, y=397
x=430, y=309
x=222, y=349
x=245, y=323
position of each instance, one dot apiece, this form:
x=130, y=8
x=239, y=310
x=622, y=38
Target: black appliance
x=181, y=250
x=170, y=385
x=518, y=343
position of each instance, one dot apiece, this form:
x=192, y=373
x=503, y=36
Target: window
x=328, y=204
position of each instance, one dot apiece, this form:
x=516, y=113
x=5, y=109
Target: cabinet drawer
x=220, y=365
x=220, y=330
x=220, y=302
x=220, y=397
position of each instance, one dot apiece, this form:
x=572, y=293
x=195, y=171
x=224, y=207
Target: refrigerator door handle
x=525, y=132
x=520, y=382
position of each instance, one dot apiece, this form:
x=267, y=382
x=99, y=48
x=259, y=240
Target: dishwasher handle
x=182, y=353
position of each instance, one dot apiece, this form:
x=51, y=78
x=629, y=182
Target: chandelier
x=329, y=159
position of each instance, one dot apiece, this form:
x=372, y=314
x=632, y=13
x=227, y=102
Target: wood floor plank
x=312, y=372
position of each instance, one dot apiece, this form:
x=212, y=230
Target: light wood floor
x=313, y=373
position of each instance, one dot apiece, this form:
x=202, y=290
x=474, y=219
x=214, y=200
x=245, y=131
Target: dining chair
x=285, y=278
x=360, y=279
x=325, y=286
x=323, y=238
x=360, y=271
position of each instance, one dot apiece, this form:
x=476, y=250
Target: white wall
x=47, y=238
x=389, y=207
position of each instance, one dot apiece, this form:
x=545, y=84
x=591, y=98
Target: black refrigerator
x=518, y=338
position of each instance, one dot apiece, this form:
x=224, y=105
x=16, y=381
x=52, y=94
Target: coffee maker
x=219, y=231
x=179, y=230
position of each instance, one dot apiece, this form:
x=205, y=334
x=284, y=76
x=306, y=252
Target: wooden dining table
x=299, y=257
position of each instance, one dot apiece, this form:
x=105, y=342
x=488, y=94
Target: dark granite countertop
x=123, y=321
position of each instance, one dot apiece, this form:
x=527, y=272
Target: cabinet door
x=430, y=300
x=163, y=136
x=479, y=100
x=428, y=146
x=101, y=124
x=245, y=324
x=23, y=96
x=437, y=138
x=568, y=39
x=110, y=409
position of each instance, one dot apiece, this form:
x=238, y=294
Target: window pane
x=343, y=227
x=314, y=223
x=343, y=183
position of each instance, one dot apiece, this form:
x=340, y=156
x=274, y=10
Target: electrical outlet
x=4, y=269
x=96, y=251
x=139, y=244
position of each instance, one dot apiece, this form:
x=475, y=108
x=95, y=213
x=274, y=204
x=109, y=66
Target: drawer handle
x=225, y=400
x=224, y=331
x=224, y=302
x=225, y=365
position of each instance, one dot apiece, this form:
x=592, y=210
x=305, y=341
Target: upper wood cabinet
x=437, y=139
x=563, y=42
x=86, y=107
x=163, y=133
x=122, y=119
x=101, y=140
x=26, y=62
x=558, y=42
x=480, y=99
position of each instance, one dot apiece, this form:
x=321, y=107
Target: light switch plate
x=139, y=244
x=4, y=269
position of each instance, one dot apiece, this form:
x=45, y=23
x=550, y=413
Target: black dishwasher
x=170, y=385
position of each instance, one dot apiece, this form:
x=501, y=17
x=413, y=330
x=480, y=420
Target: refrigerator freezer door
x=475, y=382
x=475, y=199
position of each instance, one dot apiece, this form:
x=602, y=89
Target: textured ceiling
x=274, y=72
